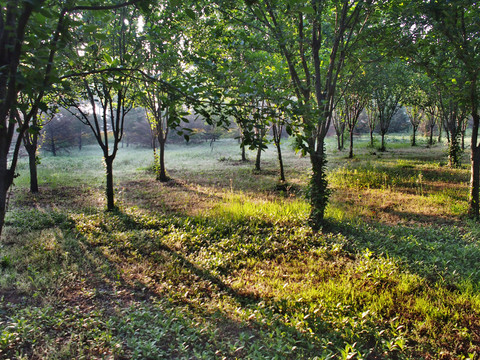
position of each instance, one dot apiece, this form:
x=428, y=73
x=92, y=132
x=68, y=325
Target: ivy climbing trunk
x=318, y=187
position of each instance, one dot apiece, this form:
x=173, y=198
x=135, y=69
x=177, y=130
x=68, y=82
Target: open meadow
x=220, y=263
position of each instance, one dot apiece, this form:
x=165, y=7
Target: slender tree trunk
x=277, y=137
x=414, y=140
x=257, y=160
x=463, y=140
x=371, y=138
x=430, y=141
x=475, y=182
x=32, y=164
x=109, y=189
x=474, y=208
x=350, y=153
x=382, y=148
x=6, y=180
x=80, y=141
x=53, y=147
x=162, y=175
x=244, y=155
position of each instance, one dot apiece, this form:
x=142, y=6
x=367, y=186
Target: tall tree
x=106, y=90
x=314, y=38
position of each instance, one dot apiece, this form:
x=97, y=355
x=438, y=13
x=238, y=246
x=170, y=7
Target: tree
x=453, y=116
x=353, y=99
x=164, y=43
x=387, y=93
x=31, y=140
x=338, y=119
x=431, y=118
x=314, y=38
x=416, y=101
x=415, y=115
x=108, y=94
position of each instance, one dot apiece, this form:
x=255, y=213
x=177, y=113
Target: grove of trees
x=297, y=65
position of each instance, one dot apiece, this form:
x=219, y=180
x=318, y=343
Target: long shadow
x=154, y=250
x=440, y=253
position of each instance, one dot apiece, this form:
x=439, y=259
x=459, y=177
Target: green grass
x=220, y=263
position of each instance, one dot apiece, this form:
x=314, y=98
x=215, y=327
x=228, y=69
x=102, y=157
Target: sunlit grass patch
x=274, y=211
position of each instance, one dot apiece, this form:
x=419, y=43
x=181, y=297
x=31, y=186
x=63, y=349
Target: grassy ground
x=220, y=264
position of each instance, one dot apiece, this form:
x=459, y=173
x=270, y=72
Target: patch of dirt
x=174, y=196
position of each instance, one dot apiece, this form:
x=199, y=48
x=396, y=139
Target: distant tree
x=454, y=115
x=338, y=120
x=372, y=117
x=387, y=93
x=431, y=118
x=58, y=133
x=415, y=115
x=415, y=101
x=31, y=136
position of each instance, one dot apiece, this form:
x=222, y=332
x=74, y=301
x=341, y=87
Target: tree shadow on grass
x=439, y=253
x=148, y=260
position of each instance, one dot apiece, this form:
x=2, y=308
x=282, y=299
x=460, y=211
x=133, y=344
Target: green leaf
x=191, y=14
x=306, y=10
x=258, y=13
x=108, y=59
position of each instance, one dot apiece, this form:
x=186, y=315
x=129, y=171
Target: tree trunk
x=257, y=160
x=474, y=209
x=276, y=138
x=339, y=142
x=318, y=188
x=382, y=148
x=80, y=141
x=463, y=139
x=31, y=147
x=430, y=141
x=162, y=175
x=6, y=180
x=475, y=163
x=244, y=155
x=350, y=153
x=453, y=151
x=371, y=138
x=109, y=190
x=53, y=147
x=414, y=140
x=32, y=163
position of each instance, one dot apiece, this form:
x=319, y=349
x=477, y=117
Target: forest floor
x=220, y=263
